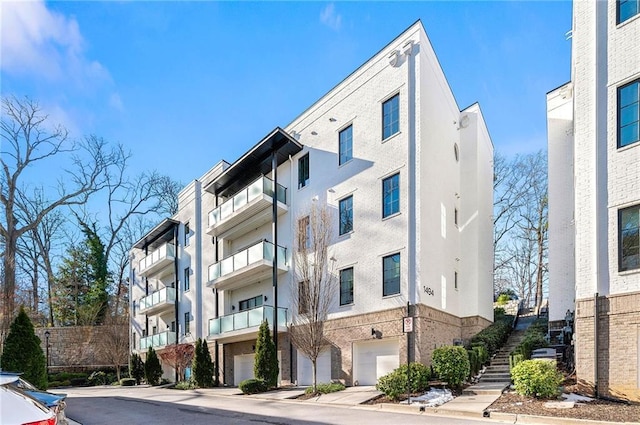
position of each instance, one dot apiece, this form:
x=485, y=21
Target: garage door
x=373, y=359
x=305, y=371
x=243, y=367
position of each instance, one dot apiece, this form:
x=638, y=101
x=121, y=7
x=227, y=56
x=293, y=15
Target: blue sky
x=185, y=84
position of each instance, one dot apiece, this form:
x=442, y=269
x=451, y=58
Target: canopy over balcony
x=257, y=161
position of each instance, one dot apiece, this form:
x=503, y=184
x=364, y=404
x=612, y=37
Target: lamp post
x=46, y=342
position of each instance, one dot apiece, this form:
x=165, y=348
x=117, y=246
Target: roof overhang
x=256, y=162
x=158, y=235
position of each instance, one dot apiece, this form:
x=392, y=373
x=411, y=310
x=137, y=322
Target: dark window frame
x=187, y=323
x=186, y=284
x=620, y=19
x=345, y=225
x=304, y=166
x=391, y=127
x=394, y=280
x=621, y=241
x=251, y=303
x=186, y=234
x=345, y=145
x=620, y=107
x=387, y=195
x=346, y=286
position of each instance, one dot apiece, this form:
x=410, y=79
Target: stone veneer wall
x=73, y=347
x=228, y=351
x=618, y=345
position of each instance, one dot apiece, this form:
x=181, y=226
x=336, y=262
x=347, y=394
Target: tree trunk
x=314, y=375
x=9, y=289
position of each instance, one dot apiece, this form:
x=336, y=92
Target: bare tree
x=314, y=291
x=28, y=140
x=113, y=343
x=179, y=357
x=166, y=191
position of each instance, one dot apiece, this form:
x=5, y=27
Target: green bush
x=253, y=386
x=494, y=336
x=66, y=376
x=63, y=383
x=326, y=388
x=152, y=368
x=189, y=384
x=203, y=368
x=451, y=363
x=394, y=383
x=22, y=352
x=127, y=382
x=136, y=368
x=474, y=363
x=265, y=365
x=537, y=378
x=97, y=378
x=503, y=299
x=78, y=382
x=498, y=313
x=534, y=338
x=514, y=359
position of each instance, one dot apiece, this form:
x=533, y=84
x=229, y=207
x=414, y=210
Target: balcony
x=247, y=209
x=245, y=324
x=247, y=266
x=158, y=340
x=157, y=260
x=159, y=301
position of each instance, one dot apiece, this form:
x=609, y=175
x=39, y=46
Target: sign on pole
x=407, y=324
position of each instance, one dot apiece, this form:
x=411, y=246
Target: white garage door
x=243, y=367
x=323, y=367
x=373, y=359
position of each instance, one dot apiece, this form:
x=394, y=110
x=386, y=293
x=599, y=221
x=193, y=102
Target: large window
x=303, y=171
x=391, y=195
x=346, y=286
x=303, y=297
x=629, y=238
x=627, y=9
x=346, y=145
x=251, y=303
x=391, y=117
x=391, y=275
x=187, y=235
x=346, y=215
x=629, y=114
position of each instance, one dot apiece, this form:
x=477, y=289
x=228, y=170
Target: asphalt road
x=116, y=405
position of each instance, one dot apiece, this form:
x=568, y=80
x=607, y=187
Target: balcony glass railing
x=163, y=296
x=263, y=185
x=261, y=251
x=165, y=251
x=157, y=340
x=246, y=319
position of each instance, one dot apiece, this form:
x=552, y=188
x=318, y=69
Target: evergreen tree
x=266, y=360
x=22, y=352
x=202, y=365
x=136, y=368
x=152, y=368
x=99, y=276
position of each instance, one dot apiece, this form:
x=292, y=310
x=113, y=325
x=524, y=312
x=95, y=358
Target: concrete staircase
x=497, y=376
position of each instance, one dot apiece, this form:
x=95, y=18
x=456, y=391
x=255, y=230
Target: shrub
x=253, y=386
x=128, y=382
x=64, y=383
x=189, y=384
x=451, y=364
x=326, y=388
x=534, y=338
x=498, y=313
x=203, y=369
x=152, y=368
x=394, y=383
x=514, y=359
x=474, y=363
x=482, y=353
x=495, y=335
x=503, y=299
x=22, y=352
x=537, y=378
x=78, y=382
x=136, y=368
x=98, y=378
x=266, y=360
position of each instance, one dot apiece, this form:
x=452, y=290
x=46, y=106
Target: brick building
x=594, y=197
x=408, y=177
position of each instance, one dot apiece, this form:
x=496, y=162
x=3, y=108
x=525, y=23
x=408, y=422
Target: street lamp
x=46, y=342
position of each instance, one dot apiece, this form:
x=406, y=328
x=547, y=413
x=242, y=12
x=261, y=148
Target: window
x=303, y=171
x=391, y=275
x=187, y=323
x=391, y=117
x=134, y=340
x=629, y=114
x=346, y=286
x=133, y=307
x=154, y=330
x=345, y=148
x=346, y=215
x=173, y=326
x=186, y=234
x=627, y=9
x=144, y=333
x=455, y=216
x=304, y=233
x=391, y=195
x=186, y=280
x=303, y=296
x=629, y=238
x=455, y=280
x=251, y=303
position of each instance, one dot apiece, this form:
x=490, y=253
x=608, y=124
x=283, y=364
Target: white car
x=18, y=408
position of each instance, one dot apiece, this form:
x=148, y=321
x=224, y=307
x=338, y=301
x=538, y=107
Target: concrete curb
x=547, y=420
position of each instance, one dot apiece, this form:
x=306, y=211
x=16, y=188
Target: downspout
x=175, y=272
x=595, y=343
x=216, y=311
x=274, y=219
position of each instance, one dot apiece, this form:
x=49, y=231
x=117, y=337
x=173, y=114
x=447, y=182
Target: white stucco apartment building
x=594, y=196
x=408, y=176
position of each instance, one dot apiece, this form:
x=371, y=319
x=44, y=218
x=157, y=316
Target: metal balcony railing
x=158, y=340
x=246, y=319
x=166, y=251
x=261, y=251
x=163, y=296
